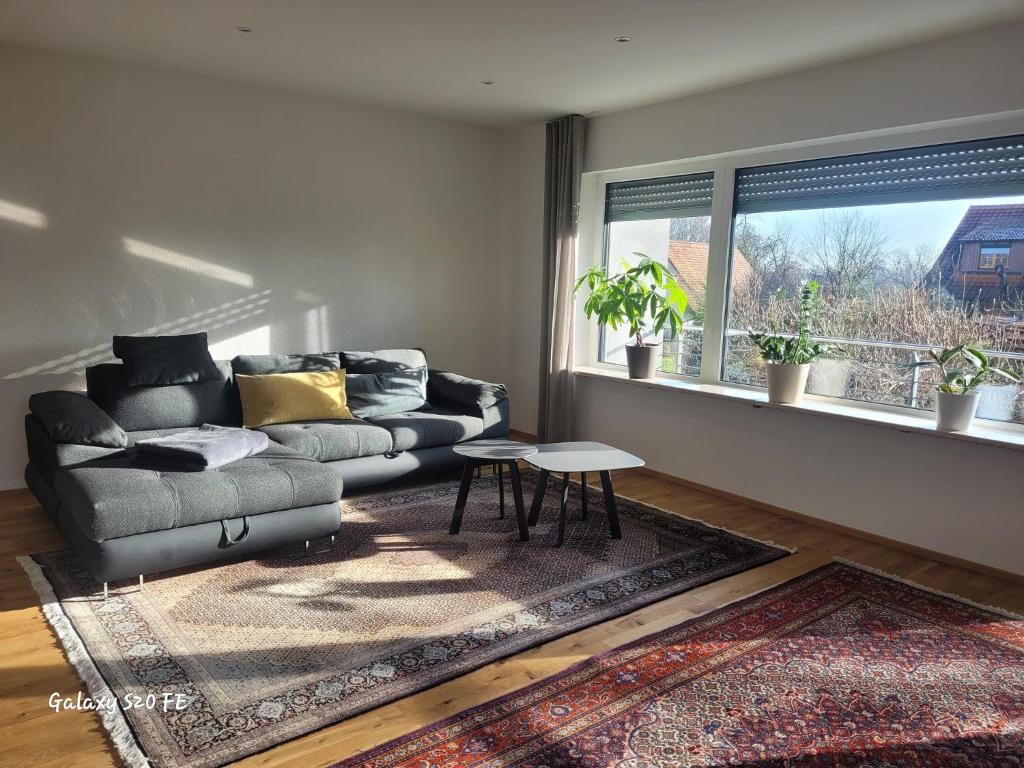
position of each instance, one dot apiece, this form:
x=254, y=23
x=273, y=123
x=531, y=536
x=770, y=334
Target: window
x=993, y=255
x=899, y=243
x=668, y=219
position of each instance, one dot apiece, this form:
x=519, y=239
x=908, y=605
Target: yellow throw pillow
x=278, y=398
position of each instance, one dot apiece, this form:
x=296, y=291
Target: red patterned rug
x=839, y=667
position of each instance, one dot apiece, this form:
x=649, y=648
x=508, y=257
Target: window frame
x=592, y=247
x=592, y=233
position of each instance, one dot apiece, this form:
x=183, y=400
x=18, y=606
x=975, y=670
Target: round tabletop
x=582, y=457
x=495, y=450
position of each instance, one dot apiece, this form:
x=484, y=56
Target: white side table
x=582, y=457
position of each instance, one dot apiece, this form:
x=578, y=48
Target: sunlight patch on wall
x=171, y=258
x=317, y=334
x=21, y=214
x=223, y=315
x=254, y=342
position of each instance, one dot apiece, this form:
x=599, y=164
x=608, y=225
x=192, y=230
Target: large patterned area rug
x=839, y=667
x=211, y=664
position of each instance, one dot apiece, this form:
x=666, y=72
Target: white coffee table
x=582, y=457
x=480, y=453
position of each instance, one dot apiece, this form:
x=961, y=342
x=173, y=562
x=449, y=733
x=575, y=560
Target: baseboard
x=846, y=530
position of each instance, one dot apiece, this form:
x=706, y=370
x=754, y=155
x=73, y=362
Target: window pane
x=896, y=279
x=682, y=245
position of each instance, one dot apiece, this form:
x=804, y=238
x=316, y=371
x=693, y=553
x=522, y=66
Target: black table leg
x=501, y=491
x=561, y=510
x=538, y=496
x=517, y=496
x=583, y=493
x=609, y=505
x=460, y=502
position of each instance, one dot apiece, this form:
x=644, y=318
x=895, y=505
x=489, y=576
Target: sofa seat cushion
x=429, y=427
x=110, y=498
x=332, y=440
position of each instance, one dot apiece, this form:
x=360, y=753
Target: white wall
x=913, y=488
x=950, y=496
x=292, y=223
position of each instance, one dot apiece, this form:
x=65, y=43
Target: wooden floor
x=32, y=665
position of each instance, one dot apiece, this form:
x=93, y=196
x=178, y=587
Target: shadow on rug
x=208, y=665
x=839, y=667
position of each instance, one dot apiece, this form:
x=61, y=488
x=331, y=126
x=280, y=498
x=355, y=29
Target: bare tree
x=772, y=254
x=908, y=268
x=694, y=229
x=847, y=252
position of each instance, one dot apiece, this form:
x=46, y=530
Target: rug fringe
x=114, y=721
x=923, y=588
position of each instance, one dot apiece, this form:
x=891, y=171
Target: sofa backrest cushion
x=258, y=365
x=383, y=360
x=165, y=360
x=386, y=392
x=167, y=407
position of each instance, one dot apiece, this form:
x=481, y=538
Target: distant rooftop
x=689, y=260
x=1000, y=229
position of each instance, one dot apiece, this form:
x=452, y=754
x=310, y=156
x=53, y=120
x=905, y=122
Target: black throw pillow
x=157, y=361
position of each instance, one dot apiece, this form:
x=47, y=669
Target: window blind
x=668, y=197
x=946, y=171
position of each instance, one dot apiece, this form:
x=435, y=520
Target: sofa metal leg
x=105, y=590
x=140, y=582
x=306, y=551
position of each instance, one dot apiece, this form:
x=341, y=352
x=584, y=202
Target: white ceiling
x=547, y=57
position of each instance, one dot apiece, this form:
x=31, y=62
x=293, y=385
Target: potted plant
x=961, y=370
x=788, y=358
x=646, y=298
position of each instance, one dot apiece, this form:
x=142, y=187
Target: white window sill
x=983, y=432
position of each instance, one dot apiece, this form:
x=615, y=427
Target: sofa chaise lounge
x=125, y=521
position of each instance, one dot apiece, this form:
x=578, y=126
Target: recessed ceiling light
x=243, y=28
x=486, y=82
x=622, y=39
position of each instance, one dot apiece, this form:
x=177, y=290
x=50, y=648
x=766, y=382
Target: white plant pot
x=786, y=383
x=829, y=377
x=998, y=401
x=955, y=413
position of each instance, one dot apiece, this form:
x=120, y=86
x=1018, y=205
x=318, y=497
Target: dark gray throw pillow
x=72, y=418
x=157, y=361
x=465, y=392
x=383, y=360
x=385, y=392
x=259, y=365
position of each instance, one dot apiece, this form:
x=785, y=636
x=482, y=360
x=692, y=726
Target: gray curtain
x=563, y=170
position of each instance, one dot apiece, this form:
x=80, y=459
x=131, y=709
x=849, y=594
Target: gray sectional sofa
x=125, y=520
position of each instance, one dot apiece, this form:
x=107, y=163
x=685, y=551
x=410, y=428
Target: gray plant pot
x=642, y=362
x=955, y=413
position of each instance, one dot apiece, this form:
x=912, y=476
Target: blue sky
x=909, y=224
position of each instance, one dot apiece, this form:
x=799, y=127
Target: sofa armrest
x=465, y=394
x=72, y=418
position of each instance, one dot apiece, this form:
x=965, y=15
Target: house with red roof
x=982, y=265
x=689, y=262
